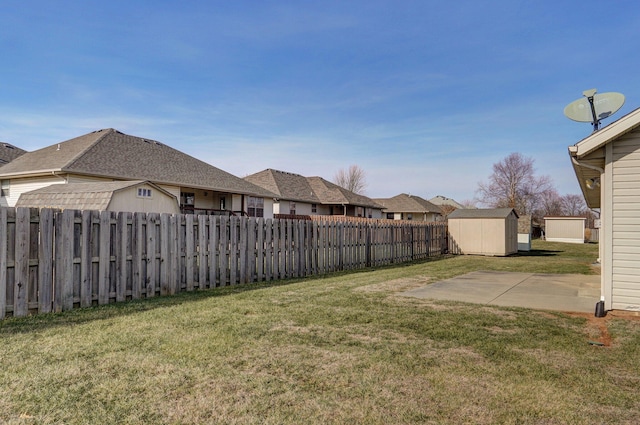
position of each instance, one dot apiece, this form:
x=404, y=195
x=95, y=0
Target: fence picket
x=106, y=257
x=4, y=240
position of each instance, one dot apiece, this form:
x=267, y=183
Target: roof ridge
x=83, y=152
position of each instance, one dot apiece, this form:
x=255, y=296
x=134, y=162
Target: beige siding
x=564, y=229
x=128, y=200
x=74, y=178
x=20, y=186
x=625, y=223
x=485, y=236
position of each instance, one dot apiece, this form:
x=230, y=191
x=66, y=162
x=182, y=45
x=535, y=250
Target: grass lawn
x=333, y=350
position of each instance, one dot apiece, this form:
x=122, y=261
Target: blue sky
x=423, y=95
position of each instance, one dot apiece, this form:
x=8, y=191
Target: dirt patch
x=396, y=285
x=597, y=328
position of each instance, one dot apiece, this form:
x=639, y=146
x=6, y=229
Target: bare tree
x=514, y=184
x=574, y=205
x=353, y=179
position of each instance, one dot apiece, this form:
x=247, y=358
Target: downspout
x=600, y=308
x=53, y=173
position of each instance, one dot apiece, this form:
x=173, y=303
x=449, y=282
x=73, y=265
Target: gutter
x=582, y=164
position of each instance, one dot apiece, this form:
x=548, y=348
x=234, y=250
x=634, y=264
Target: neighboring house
x=109, y=155
x=607, y=165
x=131, y=196
x=483, y=231
x=443, y=200
x=8, y=153
x=299, y=195
x=409, y=207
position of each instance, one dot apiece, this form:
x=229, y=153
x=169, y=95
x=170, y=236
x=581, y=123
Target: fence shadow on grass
x=78, y=316
x=538, y=253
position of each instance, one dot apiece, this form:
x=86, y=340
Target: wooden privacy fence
x=53, y=260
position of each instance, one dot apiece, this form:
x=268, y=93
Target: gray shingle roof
x=330, y=193
x=8, y=153
x=313, y=190
x=443, y=200
x=289, y=186
x=110, y=153
x=482, y=213
x=408, y=204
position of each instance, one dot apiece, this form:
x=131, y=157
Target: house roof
x=483, y=213
x=588, y=155
x=79, y=196
x=290, y=186
x=443, y=200
x=408, y=204
x=8, y=153
x=330, y=193
x=113, y=154
x=313, y=190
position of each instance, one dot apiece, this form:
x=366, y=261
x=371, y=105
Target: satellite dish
x=594, y=107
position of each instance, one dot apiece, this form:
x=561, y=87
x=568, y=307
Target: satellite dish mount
x=592, y=108
x=589, y=94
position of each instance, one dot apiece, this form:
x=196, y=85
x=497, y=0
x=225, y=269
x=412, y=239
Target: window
x=292, y=208
x=390, y=216
x=4, y=188
x=409, y=216
x=255, y=207
x=314, y=208
x=144, y=192
x=187, y=198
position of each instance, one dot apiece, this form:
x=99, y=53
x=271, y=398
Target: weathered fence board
x=59, y=260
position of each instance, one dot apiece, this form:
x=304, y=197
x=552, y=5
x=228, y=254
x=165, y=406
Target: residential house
x=409, y=207
x=297, y=195
x=607, y=165
x=131, y=196
x=110, y=155
x=9, y=152
x=443, y=200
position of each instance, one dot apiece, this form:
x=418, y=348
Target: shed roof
x=113, y=154
x=79, y=196
x=483, y=213
x=408, y=204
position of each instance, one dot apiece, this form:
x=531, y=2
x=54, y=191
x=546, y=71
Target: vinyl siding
x=625, y=223
x=20, y=186
x=564, y=229
x=485, y=236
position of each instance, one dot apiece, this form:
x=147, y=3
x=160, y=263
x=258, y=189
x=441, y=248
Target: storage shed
x=564, y=229
x=131, y=196
x=484, y=231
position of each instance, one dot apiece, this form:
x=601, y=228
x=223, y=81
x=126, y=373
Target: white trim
x=606, y=219
x=607, y=134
